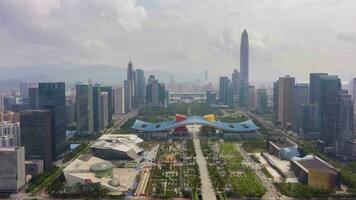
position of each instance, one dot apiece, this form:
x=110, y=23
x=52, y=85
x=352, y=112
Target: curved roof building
x=246, y=126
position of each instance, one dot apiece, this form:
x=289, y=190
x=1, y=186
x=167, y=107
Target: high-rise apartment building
x=285, y=101
x=12, y=169
x=52, y=98
x=118, y=102
x=244, y=68
x=9, y=134
x=36, y=135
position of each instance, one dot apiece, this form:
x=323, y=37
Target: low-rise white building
x=88, y=169
x=117, y=147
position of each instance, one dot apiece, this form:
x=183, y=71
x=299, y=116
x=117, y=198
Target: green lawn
x=254, y=146
x=298, y=190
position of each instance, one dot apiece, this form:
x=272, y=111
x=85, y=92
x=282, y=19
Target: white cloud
x=293, y=37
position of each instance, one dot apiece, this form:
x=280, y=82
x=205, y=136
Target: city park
x=176, y=172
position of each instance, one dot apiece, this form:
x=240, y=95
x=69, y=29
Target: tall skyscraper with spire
x=131, y=77
x=244, y=60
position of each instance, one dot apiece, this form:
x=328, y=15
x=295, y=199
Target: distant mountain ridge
x=71, y=74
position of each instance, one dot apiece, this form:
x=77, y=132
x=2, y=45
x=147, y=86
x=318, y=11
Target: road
x=207, y=188
x=119, y=121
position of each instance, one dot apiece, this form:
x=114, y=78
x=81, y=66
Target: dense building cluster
x=320, y=110
x=37, y=121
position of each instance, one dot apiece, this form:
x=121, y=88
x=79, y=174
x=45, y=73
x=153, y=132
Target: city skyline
x=301, y=43
x=108, y=99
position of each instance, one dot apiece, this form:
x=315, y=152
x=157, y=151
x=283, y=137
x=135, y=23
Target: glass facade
x=36, y=135
x=52, y=98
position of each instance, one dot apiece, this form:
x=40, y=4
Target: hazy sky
x=292, y=37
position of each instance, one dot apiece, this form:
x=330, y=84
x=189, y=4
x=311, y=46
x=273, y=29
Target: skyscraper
x=155, y=92
x=2, y=104
x=285, y=101
x=104, y=109
x=97, y=108
x=314, y=91
x=206, y=75
x=251, y=105
x=118, y=92
x=235, y=77
x=301, y=97
x=127, y=95
x=24, y=86
x=108, y=90
x=131, y=76
x=223, y=87
x=90, y=107
x=36, y=135
x=140, y=87
x=210, y=98
x=262, y=100
x=354, y=92
x=275, y=102
x=33, y=98
x=244, y=67
x=345, y=122
x=330, y=88
x=52, y=97
x=311, y=121
x=82, y=108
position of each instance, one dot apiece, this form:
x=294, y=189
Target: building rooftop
x=118, y=142
x=282, y=142
x=246, y=126
x=314, y=162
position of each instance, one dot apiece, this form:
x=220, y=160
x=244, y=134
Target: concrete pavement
x=207, y=189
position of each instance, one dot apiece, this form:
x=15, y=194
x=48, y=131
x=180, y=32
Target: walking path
x=207, y=189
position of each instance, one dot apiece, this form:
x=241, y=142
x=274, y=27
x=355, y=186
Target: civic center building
x=209, y=126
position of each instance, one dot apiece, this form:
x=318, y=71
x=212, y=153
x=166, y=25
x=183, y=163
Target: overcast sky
x=292, y=37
